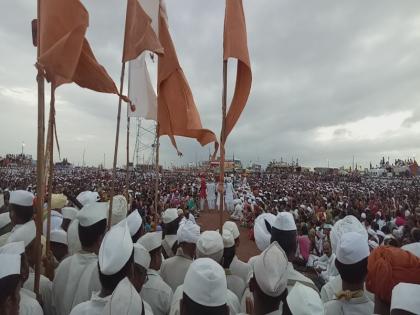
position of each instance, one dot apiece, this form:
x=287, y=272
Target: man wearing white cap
x=26, y=233
x=237, y=267
x=119, y=209
x=135, y=224
x=77, y=275
x=229, y=196
x=86, y=197
x=155, y=291
x=205, y=289
x=234, y=282
x=10, y=283
x=174, y=269
x=303, y=300
x=115, y=261
x=405, y=299
x=211, y=194
x=141, y=265
x=238, y=211
x=58, y=243
x=69, y=214
x=283, y=231
x=170, y=220
x=351, y=262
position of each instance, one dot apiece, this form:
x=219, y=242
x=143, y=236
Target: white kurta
x=76, y=278
x=294, y=276
x=235, y=284
x=229, y=197
x=174, y=269
x=45, y=289
x=241, y=269
x=362, y=306
x=211, y=195
x=94, y=306
x=28, y=304
x=335, y=285
x=157, y=293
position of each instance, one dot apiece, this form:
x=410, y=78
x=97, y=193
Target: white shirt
x=76, y=278
x=235, y=284
x=241, y=269
x=294, y=276
x=361, y=306
x=211, y=191
x=174, y=269
x=28, y=304
x=157, y=293
x=334, y=286
x=45, y=289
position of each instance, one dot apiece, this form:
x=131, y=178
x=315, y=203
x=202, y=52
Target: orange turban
x=388, y=266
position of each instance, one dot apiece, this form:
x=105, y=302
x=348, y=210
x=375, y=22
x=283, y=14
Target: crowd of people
x=327, y=245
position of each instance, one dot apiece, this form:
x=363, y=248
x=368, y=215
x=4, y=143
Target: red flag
x=139, y=35
x=235, y=46
x=177, y=112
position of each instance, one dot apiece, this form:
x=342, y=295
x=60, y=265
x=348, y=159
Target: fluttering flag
x=65, y=54
x=140, y=87
x=235, y=46
x=177, y=112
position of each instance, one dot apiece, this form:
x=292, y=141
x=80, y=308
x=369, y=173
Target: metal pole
x=222, y=148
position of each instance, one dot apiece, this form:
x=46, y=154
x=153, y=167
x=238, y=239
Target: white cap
x=372, y=244
x=210, y=242
x=73, y=240
x=21, y=198
x=188, y=232
x=285, y=222
x=25, y=233
x=116, y=249
x=413, y=248
x=303, y=300
x=141, y=256
x=15, y=248
x=119, y=209
x=180, y=211
x=134, y=222
x=347, y=224
x=170, y=215
x=69, y=213
x=228, y=240
x=10, y=265
x=93, y=213
x=58, y=201
x=270, y=270
x=4, y=219
x=124, y=300
x=363, y=215
x=404, y=297
x=58, y=236
x=86, y=197
x=261, y=234
x=151, y=240
x=205, y=283
x=352, y=248
x=56, y=222
x=407, y=213
x=232, y=227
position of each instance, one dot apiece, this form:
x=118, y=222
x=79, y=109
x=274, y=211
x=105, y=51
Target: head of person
x=21, y=206
x=69, y=214
x=170, y=219
x=233, y=228
x=262, y=230
x=187, y=237
x=6, y=197
x=18, y=248
x=326, y=246
x=269, y=281
x=10, y=283
x=135, y=224
x=26, y=233
x=303, y=300
x=229, y=248
x=283, y=231
x=210, y=245
x=92, y=225
x=152, y=241
x=58, y=243
x=116, y=257
x=205, y=289
x=402, y=301
x=141, y=264
x=352, y=258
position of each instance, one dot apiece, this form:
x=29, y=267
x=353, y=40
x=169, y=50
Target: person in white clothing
x=211, y=194
x=402, y=301
x=170, y=219
x=303, y=300
x=229, y=196
x=77, y=277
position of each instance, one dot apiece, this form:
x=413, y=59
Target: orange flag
x=235, y=46
x=139, y=35
x=65, y=54
x=177, y=113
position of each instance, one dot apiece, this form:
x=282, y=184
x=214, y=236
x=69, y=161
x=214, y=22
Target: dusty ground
x=209, y=220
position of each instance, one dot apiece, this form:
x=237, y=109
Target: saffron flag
x=177, y=112
x=235, y=46
x=140, y=87
x=65, y=54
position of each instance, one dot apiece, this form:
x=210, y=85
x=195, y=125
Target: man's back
x=174, y=269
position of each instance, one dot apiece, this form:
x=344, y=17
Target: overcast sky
x=331, y=79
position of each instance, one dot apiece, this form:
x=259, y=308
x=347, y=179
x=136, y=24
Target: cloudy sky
x=331, y=80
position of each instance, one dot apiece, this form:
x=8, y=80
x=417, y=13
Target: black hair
x=286, y=240
x=8, y=286
x=353, y=273
x=228, y=255
x=88, y=235
x=172, y=227
x=385, y=229
x=304, y=229
x=416, y=235
x=23, y=213
x=193, y=308
x=110, y=282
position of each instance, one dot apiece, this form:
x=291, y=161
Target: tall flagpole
x=157, y=174
x=40, y=157
x=127, y=175
x=222, y=148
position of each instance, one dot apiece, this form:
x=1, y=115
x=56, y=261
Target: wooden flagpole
x=157, y=175
x=127, y=175
x=40, y=158
x=117, y=134
x=222, y=148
